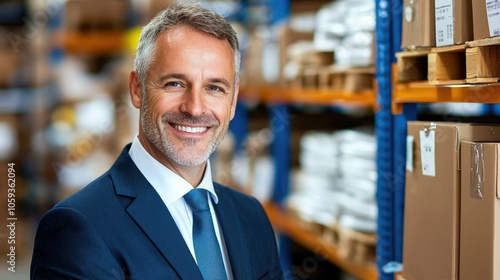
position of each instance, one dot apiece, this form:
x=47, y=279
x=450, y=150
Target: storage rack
x=395, y=105
x=279, y=100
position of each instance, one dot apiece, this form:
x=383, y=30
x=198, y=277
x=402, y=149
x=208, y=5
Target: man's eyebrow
x=166, y=77
x=221, y=81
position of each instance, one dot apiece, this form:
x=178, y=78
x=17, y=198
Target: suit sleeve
x=67, y=246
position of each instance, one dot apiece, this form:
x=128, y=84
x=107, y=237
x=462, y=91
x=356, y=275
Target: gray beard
x=188, y=155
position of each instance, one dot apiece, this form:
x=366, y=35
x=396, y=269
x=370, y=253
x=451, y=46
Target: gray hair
x=192, y=15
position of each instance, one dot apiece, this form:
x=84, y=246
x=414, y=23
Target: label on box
x=444, y=22
x=428, y=152
x=493, y=12
x=409, y=153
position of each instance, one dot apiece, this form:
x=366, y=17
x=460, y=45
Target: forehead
x=181, y=41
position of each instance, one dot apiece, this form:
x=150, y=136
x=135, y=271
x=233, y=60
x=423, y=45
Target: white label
x=409, y=153
x=444, y=22
x=427, y=152
x=493, y=12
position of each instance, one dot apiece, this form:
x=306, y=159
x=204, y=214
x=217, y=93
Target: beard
x=191, y=151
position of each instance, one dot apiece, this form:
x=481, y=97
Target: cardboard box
x=432, y=209
x=418, y=24
x=486, y=19
x=453, y=22
x=480, y=211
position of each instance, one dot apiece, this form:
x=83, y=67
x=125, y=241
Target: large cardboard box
x=418, y=24
x=486, y=18
x=432, y=199
x=453, y=22
x=480, y=211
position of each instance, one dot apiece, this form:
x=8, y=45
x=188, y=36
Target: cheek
x=222, y=110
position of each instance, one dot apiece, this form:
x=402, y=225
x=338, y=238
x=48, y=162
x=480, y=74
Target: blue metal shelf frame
x=383, y=127
x=391, y=139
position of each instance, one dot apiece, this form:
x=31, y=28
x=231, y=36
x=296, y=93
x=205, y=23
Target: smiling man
x=157, y=214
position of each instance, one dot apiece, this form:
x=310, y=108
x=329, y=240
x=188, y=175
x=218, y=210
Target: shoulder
x=95, y=193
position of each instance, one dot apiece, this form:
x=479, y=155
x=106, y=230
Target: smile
x=190, y=129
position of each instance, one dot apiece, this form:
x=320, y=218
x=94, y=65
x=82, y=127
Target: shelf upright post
x=399, y=134
x=384, y=128
x=391, y=139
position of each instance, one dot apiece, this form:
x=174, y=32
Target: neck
x=192, y=174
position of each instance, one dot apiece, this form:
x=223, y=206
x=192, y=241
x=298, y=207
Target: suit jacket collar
x=151, y=215
x=236, y=244
x=147, y=210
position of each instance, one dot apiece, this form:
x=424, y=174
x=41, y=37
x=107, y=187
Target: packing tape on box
x=477, y=171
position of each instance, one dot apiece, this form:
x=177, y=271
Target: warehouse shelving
x=278, y=100
x=282, y=222
x=402, y=99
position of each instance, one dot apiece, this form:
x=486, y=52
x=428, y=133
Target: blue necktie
x=206, y=246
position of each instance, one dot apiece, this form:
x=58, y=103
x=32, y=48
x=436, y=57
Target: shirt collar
x=167, y=184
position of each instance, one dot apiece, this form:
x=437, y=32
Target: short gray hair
x=191, y=15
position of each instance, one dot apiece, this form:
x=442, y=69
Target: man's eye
x=214, y=88
x=173, y=84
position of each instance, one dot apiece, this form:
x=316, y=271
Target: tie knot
x=197, y=199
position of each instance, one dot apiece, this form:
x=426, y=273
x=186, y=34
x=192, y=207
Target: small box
x=480, y=211
x=486, y=18
x=453, y=22
x=432, y=199
x=418, y=25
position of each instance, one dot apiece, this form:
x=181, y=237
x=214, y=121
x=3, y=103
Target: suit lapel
x=151, y=214
x=233, y=235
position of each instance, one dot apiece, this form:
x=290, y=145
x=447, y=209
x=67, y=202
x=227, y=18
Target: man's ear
x=135, y=89
x=235, y=99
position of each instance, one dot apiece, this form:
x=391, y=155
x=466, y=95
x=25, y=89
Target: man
x=140, y=220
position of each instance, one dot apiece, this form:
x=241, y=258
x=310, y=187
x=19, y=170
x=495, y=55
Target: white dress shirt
x=172, y=188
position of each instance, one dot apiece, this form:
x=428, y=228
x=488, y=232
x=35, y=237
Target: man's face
x=190, y=95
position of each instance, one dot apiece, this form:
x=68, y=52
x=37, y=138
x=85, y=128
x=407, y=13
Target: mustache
x=183, y=118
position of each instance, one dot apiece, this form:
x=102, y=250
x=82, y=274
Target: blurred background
x=65, y=115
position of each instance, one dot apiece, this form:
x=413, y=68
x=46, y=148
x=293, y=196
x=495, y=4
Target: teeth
x=190, y=129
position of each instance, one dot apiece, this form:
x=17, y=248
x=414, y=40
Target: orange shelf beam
x=422, y=92
x=276, y=94
x=425, y=92
x=315, y=244
x=91, y=42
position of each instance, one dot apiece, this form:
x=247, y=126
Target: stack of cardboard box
x=451, y=201
x=437, y=23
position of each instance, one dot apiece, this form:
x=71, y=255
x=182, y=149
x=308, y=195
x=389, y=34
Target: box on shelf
x=418, y=24
x=486, y=19
x=480, y=210
x=453, y=22
x=95, y=14
x=432, y=201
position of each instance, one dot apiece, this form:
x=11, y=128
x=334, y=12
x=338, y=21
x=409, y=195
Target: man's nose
x=193, y=102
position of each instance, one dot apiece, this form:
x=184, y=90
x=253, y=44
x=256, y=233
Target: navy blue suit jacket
x=119, y=228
